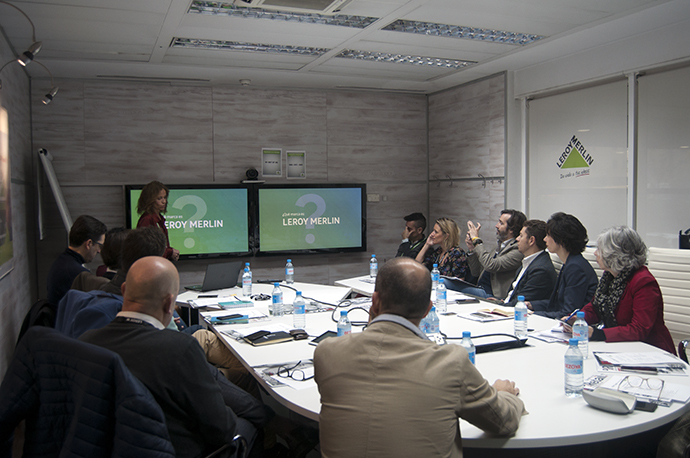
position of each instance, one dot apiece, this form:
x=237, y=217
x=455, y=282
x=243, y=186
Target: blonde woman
x=451, y=259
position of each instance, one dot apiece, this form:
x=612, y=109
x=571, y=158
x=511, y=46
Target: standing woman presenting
x=153, y=202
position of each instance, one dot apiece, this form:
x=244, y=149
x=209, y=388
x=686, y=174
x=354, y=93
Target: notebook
x=219, y=276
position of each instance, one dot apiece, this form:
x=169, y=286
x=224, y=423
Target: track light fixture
x=49, y=96
x=53, y=88
x=28, y=55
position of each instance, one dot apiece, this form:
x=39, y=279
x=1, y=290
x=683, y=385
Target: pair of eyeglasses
x=294, y=373
x=642, y=385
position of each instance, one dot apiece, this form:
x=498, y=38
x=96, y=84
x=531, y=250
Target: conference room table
x=553, y=420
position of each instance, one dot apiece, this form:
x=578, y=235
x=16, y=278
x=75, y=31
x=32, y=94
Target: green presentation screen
x=322, y=217
x=201, y=221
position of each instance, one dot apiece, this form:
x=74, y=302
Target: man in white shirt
x=536, y=278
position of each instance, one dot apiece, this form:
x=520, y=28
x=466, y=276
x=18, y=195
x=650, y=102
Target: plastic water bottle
x=344, y=326
x=424, y=324
x=581, y=333
x=289, y=272
x=373, y=266
x=520, y=324
x=299, y=312
x=441, y=295
x=435, y=275
x=276, y=301
x=434, y=322
x=574, y=377
x=246, y=282
x=469, y=345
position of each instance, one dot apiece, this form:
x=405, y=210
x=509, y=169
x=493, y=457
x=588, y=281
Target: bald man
x=389, y=391
x=197, y=418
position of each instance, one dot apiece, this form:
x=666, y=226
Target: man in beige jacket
x=391, y=392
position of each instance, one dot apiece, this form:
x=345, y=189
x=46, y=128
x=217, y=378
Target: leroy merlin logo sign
x=575, y=156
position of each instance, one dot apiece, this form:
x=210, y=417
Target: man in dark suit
x=536, y=278
x=86, y=238
x=197, y=418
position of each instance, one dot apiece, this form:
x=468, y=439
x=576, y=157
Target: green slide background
x=227, y=205
x=340, y=202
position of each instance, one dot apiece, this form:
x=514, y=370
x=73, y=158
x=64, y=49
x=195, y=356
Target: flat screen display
x=312, y=218
x=201, y=220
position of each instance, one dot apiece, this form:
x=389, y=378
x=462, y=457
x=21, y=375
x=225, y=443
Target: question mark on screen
x=201, y=209
x=320, y=210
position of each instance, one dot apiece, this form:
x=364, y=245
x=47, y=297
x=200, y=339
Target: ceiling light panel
x=405, y=59
x=228, y=9
x=196, y=43
x=458, y=31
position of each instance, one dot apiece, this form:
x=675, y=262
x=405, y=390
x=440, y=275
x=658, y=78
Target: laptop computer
x=219, y=276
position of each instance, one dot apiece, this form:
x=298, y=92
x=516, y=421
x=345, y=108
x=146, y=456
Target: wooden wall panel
x=269, y=118
x=134, y=133
x=467, y=138
x=400, y=163
x=465, y=124
x=134, y=161
x=147, y=113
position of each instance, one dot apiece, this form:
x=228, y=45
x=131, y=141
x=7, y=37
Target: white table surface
x=553, y=419
x=361, y=285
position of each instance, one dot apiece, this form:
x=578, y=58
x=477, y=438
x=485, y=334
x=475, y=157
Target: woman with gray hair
x=627, y=305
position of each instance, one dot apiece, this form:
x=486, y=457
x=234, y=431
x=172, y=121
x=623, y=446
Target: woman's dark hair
x=149, y=194
x=568, y=232
x=111, y=253
x=142, y=242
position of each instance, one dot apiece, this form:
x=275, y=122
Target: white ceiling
x=130, y=39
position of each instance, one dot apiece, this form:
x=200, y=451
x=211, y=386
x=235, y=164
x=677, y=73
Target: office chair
x=676, y=443
x=682, y=345
x=41, y=313
x=78, y=400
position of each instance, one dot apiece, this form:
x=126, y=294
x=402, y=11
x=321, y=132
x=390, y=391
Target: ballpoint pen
x=570, y=316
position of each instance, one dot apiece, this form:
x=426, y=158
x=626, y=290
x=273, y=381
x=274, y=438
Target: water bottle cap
x=373, y=255
x=435, y=265
x=433, y=309
x=521, y=298
x=441, y=280
x=343, y=313
x=246, y=269
x=275, y=285
x=246, y=264
x=299, y=293
x=466, y=334
x=572, y=342
x=289, y=260
x=581, y=315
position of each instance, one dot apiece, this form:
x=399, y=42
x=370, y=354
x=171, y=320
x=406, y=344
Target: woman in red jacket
x=153, y=202
x=627, y=305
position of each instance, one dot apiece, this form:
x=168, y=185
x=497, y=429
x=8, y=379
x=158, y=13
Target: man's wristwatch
x=476, y=241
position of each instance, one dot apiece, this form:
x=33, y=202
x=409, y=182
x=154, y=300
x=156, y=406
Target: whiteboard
x=47, y=161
